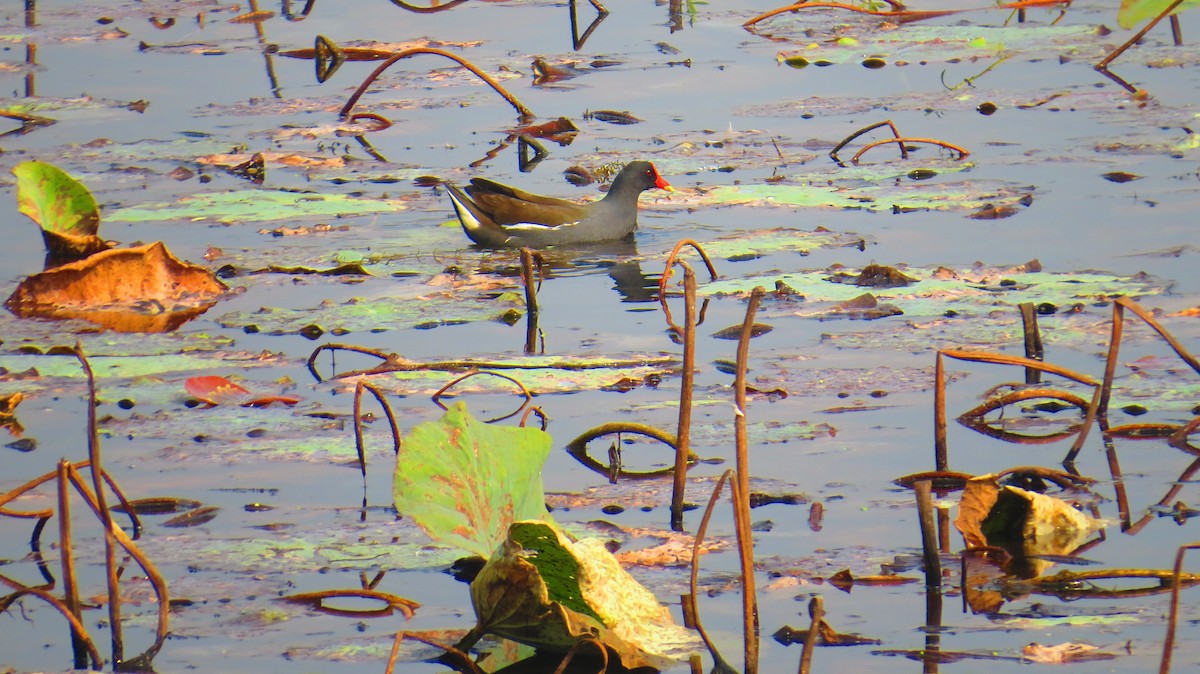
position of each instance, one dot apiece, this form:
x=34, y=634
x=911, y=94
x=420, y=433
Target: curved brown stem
x=1024, y=394
x=316, y=601
x=662, y=283
x=745, y=535
x=417, y=9
x=578, y=448
x=684, y=432
x=458, y=654
x=693, y=584
x=380, y=120
x=1164, y=665
x=76, y=626
x=962, y=154
x=1018, y=361
x=585, y=640
x=437, y=397
x=534, y=410
x=359, y=443
x=362, y=88
x=833, y=154
x=157, y=582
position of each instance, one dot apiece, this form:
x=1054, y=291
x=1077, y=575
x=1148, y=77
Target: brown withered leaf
x=1063, y=653
x=993, y=212
x=1029, y=525
x=981, y=578
x=611, y=117
x=193, y=518
x=865, y=307
x=735, y=331
x=8, y=416
x=826, y=636
x=875, y=276
x=979, y=496
x=142, y=289
x=1120, y=177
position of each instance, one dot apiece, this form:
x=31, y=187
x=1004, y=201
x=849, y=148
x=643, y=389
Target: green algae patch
x=937, y=290
x=945, y=196
x=762, y=242
x=544, y=375
x=427, y=310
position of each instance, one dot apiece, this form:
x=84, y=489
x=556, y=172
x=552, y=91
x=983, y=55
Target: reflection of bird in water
x=632, y=283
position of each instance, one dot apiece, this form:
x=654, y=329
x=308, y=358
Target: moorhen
x=496, y=215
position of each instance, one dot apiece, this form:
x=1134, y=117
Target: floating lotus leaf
x=63, y=207
x=1133, y=12
x=465, y=482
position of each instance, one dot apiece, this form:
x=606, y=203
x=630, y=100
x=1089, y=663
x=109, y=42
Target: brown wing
x=509, y=206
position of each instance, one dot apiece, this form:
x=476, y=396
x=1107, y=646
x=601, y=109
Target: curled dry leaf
x=213, y=390
x=1027, y=524
x=142, y=289
x=1062, y=653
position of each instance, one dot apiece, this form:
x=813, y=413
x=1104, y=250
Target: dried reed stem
x=683, y=435
x=750, y=624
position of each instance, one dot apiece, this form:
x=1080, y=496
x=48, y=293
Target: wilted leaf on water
x=8, y=414
x=63, y=207
x=611, y=117
x=193, y=518
x=844, y=580
x=214, y=391
x=1120, y=177
x=865, y=307
x=159, y=506
x=1025, y=523
x=142, y=289
x=993, y=212
x=542, y=589
x=1062, y=653
x=734, y=332
x=8, y=403
x=875, y=276
x=981, y=577
x=464, y=482
x=826, y=636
